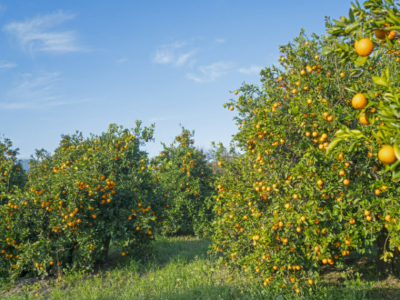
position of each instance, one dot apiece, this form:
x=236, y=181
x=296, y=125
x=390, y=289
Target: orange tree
x=183, y=176
x=371, y=33
x=284, y=208
x=11, y=171
x=89, y=192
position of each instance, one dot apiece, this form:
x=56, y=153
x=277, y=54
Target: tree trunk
x=383, y=267
x=106, y=248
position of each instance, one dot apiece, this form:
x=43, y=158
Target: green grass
x=183, y=269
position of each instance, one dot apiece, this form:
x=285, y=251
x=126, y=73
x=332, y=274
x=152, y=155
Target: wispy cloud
x=7, y=65
x=122, y=60
x=173, y=54
x=219, y=40
x=211, y=72
x=35, y=34
x=35, y=91
x=167, y=53
x=253, y=70
x=184, y=58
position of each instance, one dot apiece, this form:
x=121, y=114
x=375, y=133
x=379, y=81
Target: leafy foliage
x=182, y=175
x=284, y=208
x=75, y=201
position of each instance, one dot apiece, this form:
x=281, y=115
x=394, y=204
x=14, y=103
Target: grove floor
x=182, y=268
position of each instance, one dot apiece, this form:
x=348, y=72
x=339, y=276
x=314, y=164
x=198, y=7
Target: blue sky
x=81, y=65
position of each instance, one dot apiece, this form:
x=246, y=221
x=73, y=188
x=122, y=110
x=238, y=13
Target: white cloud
x=172, y=54
x=219, y=40
x=211, y=72
x=183, y=58
x=253, y=70
x=122, y=60
x=167, y=53
x=7, y=65
x=35, y=34
x=35, y=91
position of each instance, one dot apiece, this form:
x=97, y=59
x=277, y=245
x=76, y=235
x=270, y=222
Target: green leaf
x=359, y=34
x=326, y=51
x=391, y=28
x=338, y=23
x=380, y=81
x=396, y=148
x=395, y=165
x=351, y=90
x=394, y=18
x=352, y=27
x=361, y=60
x=351, y=15
x=396, y=172
x=333, y=144
x=386, y=74
x=389, y=2
x=352, y=147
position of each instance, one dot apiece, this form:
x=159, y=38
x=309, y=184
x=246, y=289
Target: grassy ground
x=181, y=268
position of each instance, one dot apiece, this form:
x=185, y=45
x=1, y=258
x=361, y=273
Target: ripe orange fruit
x=320, y=182
x=359, y=101
x=303, y=218
x=364, y=119
x=346, y=181
x=256, y=238
x=231, y=108
x=392, y=35
x=236, y=92
x=364, y=47
x=377, y=192
x=380, y=34
x=310, y=281
x=386, y=154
